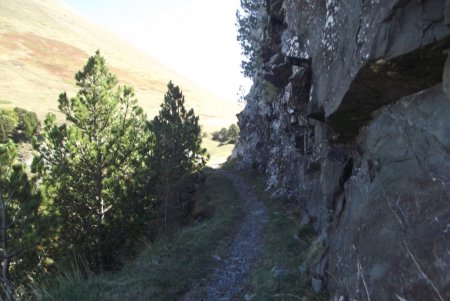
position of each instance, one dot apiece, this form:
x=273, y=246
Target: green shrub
x=28, y=122
x=229, y=135
x=233, y=132
x=8, y=124
x=270, y=92
x=220, y=136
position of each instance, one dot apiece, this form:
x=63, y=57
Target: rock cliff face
x=349, y=116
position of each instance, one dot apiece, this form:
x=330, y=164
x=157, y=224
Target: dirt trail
x=229, y=277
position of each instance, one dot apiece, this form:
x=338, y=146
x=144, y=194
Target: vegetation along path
x=229, y=277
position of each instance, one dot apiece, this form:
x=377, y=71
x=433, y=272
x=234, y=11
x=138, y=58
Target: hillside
x=44, y=43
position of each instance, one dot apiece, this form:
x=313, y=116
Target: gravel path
x=229, y=277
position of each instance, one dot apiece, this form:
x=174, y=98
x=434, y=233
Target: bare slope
x=43, y=43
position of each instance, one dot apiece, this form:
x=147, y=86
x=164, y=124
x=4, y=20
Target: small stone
x=302, y=270
x=316, y=285
x=249, y=297
x=446, y=77
x=278, y=272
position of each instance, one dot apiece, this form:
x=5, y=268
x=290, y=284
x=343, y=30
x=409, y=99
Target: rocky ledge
x=349, y=117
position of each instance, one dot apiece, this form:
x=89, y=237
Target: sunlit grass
x=4, y=102
x=219, y=152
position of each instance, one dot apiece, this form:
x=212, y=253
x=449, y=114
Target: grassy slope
x=219, y=152
x=167, y=267
x=43, y=43
x=289, y=248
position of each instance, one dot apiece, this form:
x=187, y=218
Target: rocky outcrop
x=348, y=116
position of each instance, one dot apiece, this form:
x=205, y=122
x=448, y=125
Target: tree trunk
x=100, y=242
x=166, y=200
x=7, y=284
x=100, y=214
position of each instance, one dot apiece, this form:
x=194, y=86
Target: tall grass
x=70, y=278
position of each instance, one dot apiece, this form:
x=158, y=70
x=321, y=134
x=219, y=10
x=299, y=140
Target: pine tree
x=178, y=153
x=8, y=124
x=19, y=211
x=233, y=133
x=248, y=23
x=28, y=123
x=89, y=162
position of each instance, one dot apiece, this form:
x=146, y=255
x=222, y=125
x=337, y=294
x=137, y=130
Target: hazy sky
x=196, y=38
